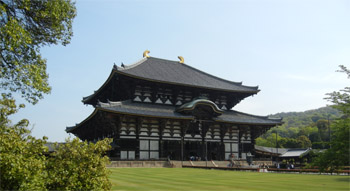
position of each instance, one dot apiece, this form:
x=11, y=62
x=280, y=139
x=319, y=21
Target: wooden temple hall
x=157, y=109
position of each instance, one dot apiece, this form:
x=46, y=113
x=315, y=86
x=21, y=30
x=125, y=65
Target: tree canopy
x=25, y=164
x=77, y=165
x=25, y=27
x=21, y=155
x=338, y=154
x=302, y=129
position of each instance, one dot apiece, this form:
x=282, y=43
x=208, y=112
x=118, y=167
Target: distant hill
x=301, y=129
x=302, y=119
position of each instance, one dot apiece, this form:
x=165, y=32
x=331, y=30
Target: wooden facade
x=158, y=109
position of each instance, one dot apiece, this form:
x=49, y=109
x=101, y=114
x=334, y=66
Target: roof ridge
x=126, y=67
x=111, y=75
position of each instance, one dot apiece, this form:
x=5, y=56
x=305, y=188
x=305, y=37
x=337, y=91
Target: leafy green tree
x=293, y=132
x=22, y=160
x=25, y=27
x=341, y=98
x=303, y=142
x=264, y=142
x=322, y=126
x=78, y=165
x=338, y=155
x=270, y=141
x=22, y=163
x=75, y=165
x=290, y=143
x=307, y=131
x=315, y=118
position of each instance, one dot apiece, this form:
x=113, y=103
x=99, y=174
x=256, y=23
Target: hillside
x=306, y=129
x=302, y=119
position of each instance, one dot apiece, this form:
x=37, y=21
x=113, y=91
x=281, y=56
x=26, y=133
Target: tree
x=270, y=141
x=25, y=27
x=78, y=165
x=303, y=142
x=341, y=98
x=315, y=118
x=26, y=165
x=22, y=161
x=322, y=126
x=290, y=143
x=338, y=155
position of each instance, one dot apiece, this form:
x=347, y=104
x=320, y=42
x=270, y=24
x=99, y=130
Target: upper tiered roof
x=174, y=72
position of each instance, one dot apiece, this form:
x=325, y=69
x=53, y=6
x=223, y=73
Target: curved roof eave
x=111, y=75
x=273, y=121
x=70, y=129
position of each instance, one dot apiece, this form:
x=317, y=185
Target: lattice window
x=149, y=149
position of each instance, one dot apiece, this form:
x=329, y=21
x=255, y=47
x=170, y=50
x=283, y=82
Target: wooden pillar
x=162, y=124
x=184, y=127
x=115, y=124
x=139, y=122
x=204, y=131
x=253, y=135
x=240, y=134
x=175, y=94
x=223, y=130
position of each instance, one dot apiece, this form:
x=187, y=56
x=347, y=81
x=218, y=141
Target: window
x=127, y=155
x=149, y=149
x=231, y=148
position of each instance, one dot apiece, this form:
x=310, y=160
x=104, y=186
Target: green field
x=199, y=179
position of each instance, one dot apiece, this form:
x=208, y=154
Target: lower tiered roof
x=166, y=111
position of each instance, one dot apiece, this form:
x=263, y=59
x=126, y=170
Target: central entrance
x=192, y=150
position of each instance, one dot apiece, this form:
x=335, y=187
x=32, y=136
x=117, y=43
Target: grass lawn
x=199, y=179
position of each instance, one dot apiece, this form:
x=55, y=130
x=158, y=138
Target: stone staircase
x=178, y=164
x=138, y=164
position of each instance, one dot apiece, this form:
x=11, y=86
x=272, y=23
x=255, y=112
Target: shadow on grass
x=343, y=179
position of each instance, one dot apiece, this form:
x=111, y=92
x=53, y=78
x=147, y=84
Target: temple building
x=157, y=109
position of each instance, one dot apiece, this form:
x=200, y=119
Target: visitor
x=232, y=160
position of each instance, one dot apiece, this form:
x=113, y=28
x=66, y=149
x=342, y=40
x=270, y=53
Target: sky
x=291, y=49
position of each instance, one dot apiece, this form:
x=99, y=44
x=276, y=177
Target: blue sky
x=289, y=48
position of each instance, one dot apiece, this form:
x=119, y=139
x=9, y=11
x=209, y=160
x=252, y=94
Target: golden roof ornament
x=145, y=53
x=181, y=59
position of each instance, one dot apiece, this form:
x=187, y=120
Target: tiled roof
x=239, y=117
x=167, y=111
x=280, y=151
x=144, y=109
x=167, y=71
x=283, y=152
x=155, y=110
x=295, y=152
